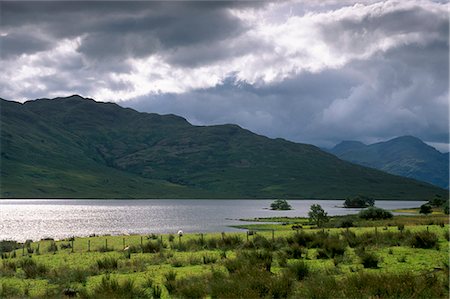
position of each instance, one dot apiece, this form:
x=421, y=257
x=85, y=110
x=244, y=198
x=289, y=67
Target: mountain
x=407, y=156
x=79, y=148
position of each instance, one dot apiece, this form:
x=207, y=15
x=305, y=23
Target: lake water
x=36, y=219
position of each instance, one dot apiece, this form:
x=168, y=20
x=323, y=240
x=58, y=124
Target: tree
x=425, y=209
x=359, y=201
x=317, y=215
x=280, y=204
x=437, y=201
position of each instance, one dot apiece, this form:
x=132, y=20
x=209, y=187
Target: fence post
x=106, y=244
x=23, y=249
x=273, y=235
x=247, y=236
x=123, y=243
x=89, y=245
x=72, y=244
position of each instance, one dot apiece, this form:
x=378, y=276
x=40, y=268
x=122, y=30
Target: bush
x=32, y=269
x=346, y=223
x=8, y=246
x=374, y=213
x=299, y=270
x=111, y=288
x=170, y=281
x=191, y=287
x=369, y=260
x=107, y=263
x=151, y=247
x=424, y=239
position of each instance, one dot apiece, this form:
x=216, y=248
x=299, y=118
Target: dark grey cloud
x=116, y=30
x=22, y=43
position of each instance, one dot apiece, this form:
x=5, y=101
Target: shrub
x=209, y=259
x=424, y=239
x=52, y=247
x=170, y=281
x=32, y=269
x=299, y=270
x=151, y=247
x=111, y=288
x=107, y=263
x=191, y=287
x=8, y=246
x=369, y=260
x=295, y=251
x=374, y=213
x=346, y=223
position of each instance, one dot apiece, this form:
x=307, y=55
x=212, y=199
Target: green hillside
x=78, y=148
x=406, y=156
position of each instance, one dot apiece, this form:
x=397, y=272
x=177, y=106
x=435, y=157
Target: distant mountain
x=407, y=156
x=78, y=148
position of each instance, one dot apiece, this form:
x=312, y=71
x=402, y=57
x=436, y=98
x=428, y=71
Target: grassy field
x=403, y=257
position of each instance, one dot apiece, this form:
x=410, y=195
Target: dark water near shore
x=36, y=219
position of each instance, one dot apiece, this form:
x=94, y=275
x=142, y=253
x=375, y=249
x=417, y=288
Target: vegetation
x=317, y=215
x=359, y=201
x=78, y=148
x=440, y=202
x=374, y=213
x=306, y=263
x=425, y=209
x=280, y=204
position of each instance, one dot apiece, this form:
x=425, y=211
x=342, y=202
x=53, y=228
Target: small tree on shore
x=280, y=204
x=318, y=216
x=425, y=209
x=359, y=201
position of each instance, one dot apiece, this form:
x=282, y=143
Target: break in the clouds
x=308, y=71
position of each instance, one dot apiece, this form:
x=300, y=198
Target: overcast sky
x=309, y=71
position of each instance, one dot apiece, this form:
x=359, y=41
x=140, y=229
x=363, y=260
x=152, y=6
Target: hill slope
x=78, y=148
x=406, y=156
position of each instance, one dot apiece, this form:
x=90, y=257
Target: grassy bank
x=406, y=256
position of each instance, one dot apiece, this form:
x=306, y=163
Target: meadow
x=402, y=257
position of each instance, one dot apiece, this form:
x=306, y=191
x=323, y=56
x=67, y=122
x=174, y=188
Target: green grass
x=227, y=265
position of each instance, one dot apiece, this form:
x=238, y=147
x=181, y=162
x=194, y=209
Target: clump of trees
x=439, y=202
x=374, y=213
x=359, y=201
x=280, y=204
x=318, y=216
x=425, y=209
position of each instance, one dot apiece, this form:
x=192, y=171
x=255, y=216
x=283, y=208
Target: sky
x=309, y=71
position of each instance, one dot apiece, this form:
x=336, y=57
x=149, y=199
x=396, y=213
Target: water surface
x=37, y=219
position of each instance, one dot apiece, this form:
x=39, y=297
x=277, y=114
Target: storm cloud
x=308, y=71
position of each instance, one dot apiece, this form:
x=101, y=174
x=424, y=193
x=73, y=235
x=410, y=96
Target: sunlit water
x=37, y=219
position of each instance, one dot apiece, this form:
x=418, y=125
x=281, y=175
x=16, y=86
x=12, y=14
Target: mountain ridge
x=406, y=155
x=74, y=147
